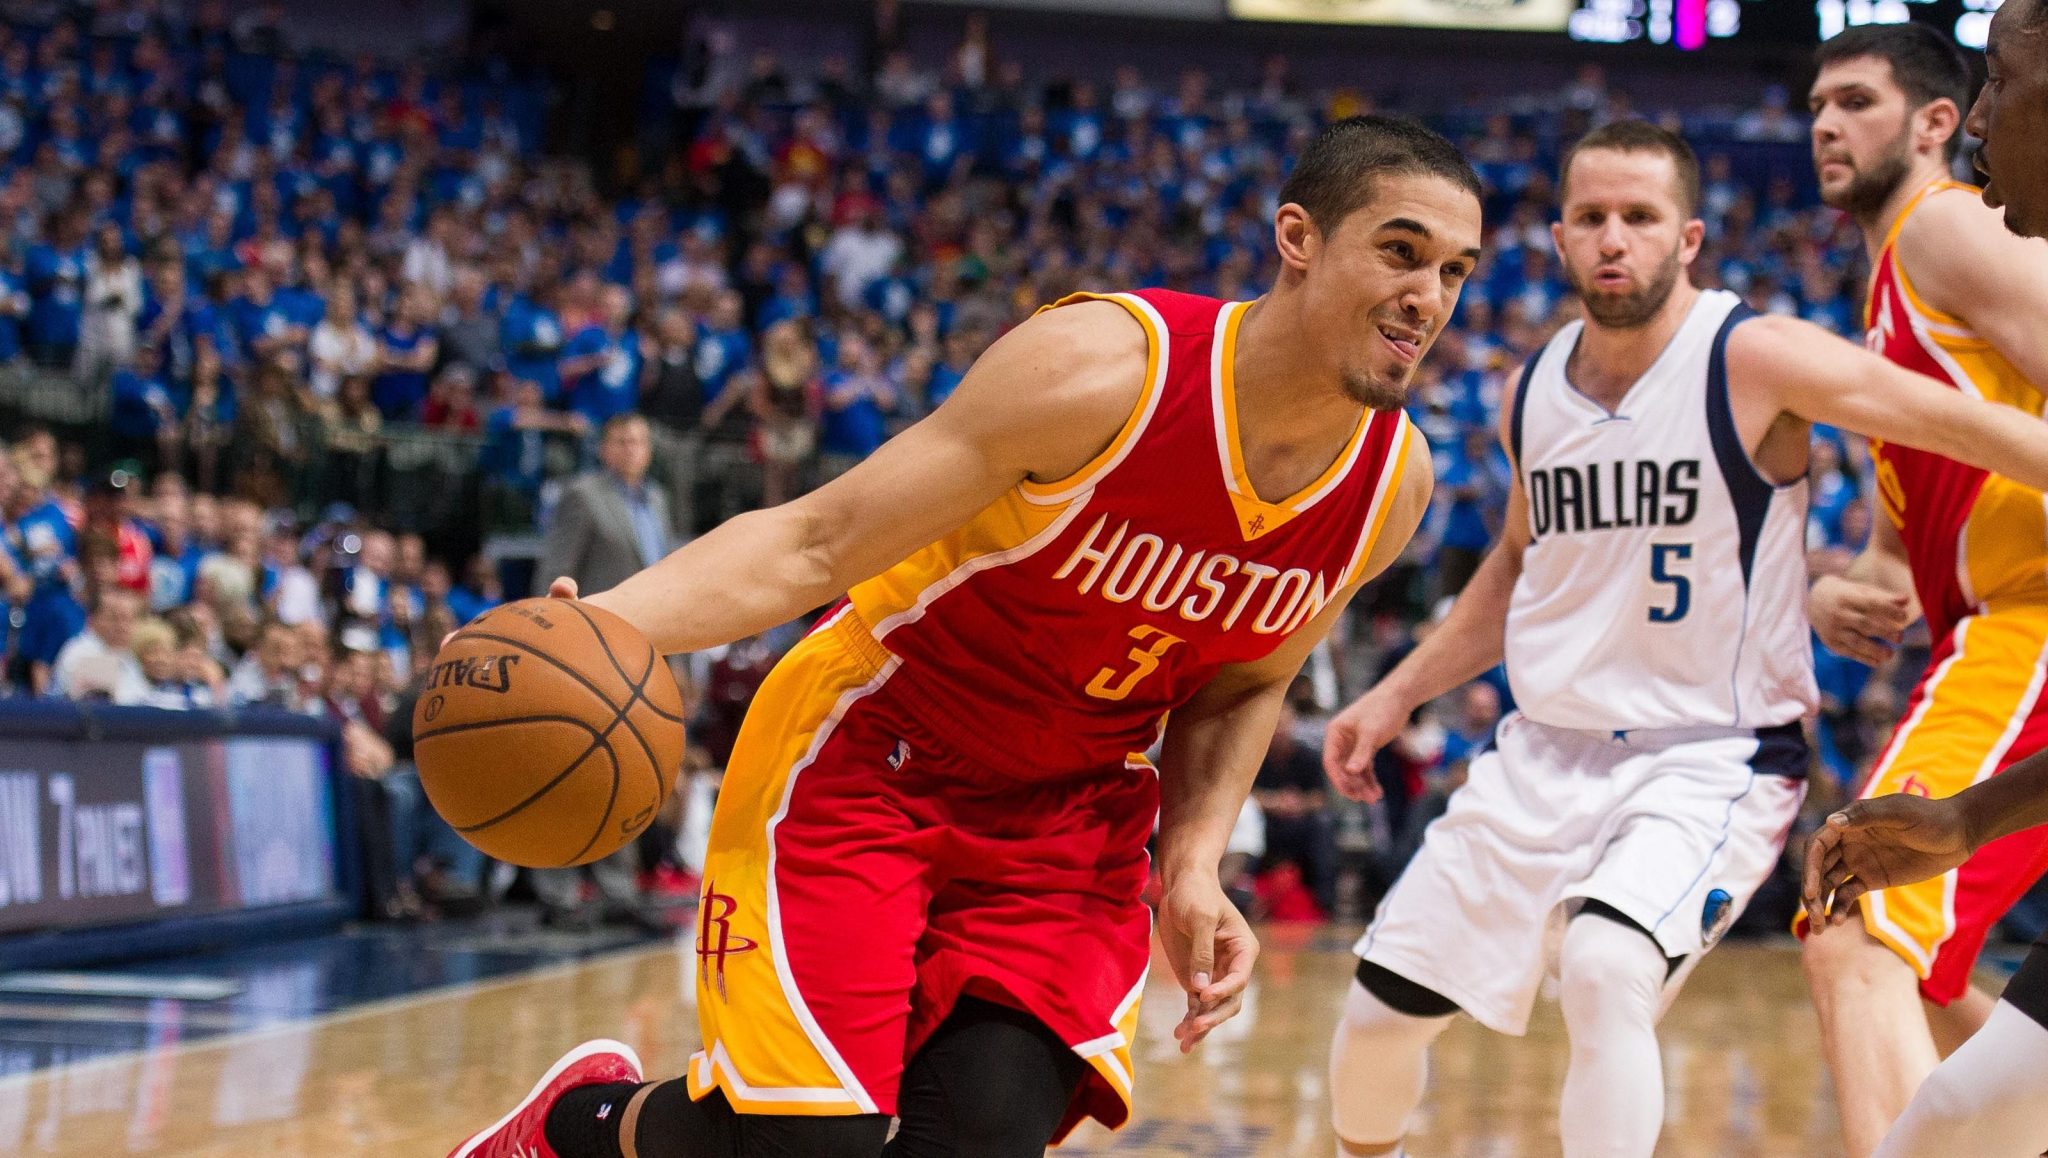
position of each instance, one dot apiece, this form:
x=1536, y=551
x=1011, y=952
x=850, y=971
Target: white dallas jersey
x=1665, y=584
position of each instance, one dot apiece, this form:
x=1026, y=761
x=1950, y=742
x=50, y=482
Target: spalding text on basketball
x=491, y=673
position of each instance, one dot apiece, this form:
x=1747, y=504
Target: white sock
x=1379, y=1063
x=1988, y=1100
x=1611, y=982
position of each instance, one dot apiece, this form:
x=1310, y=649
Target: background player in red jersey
x=1990, y=1097
x=1967, y=549
x=924, y=877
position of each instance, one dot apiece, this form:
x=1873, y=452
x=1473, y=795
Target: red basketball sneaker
x=518, y=1134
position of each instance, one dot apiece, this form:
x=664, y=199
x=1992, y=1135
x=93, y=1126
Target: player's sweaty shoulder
x=1057, y=390
x=1943, y=246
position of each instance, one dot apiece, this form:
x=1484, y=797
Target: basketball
x=548, y=733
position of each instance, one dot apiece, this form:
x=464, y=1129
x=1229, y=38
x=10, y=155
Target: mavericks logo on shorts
x=1718, y=914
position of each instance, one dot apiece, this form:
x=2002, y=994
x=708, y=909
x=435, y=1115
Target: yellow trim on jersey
x=1257, y=517
x=1141, y=414
x=1008, y=529
x=1391, y=477
x=1935, y=318
x=1021, y=521
x=1972, y=363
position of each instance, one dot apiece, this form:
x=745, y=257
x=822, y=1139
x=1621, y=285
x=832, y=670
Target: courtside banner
x=102, y=832
x=1495, y=15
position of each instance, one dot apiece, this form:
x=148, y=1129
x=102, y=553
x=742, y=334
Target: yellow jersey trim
x=1959, y=331
x=1061, y=490
x=1392, y=475
x=1257, y=517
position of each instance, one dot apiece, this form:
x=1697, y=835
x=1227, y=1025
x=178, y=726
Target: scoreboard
x=1681, y=24
x=1691, y=24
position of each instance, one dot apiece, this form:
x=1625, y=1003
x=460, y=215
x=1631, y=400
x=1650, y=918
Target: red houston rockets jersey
x=1051, y=634
x=1970, y=536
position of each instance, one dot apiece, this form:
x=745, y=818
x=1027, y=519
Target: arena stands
x=298, y=348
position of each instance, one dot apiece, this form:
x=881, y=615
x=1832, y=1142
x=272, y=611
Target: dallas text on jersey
x=1604, y=496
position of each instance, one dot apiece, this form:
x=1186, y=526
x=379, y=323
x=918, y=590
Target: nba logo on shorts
x=900, y=756
x=1718, y=914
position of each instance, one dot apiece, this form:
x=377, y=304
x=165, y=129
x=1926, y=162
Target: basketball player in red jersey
x=1990, y=1097
x=1958, y=298
x=922, y=893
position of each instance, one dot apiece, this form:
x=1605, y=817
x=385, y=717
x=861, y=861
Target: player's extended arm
x=1469, y=642
x=1214, y=744
x=1966, y=263
x=1822, y=378
x=1041, y=403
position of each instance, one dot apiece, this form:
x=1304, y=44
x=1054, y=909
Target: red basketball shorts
x=861, y=878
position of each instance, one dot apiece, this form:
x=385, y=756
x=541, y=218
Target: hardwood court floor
x=410, y=1077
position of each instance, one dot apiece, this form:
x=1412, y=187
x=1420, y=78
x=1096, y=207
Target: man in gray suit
x=608, y=525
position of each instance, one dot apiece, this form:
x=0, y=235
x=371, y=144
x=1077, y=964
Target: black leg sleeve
x=993, y=1082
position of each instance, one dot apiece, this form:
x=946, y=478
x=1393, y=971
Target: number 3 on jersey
x=1114, y=683
x=1662, y=556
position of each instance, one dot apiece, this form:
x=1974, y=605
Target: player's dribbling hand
x=1211, y=949
x=562, y=588
x=1880, y=843
x=1858, y=621
x=1356, y=734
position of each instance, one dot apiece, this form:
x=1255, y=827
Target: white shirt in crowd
x=337, y=352
x=856, y=258
x=88, y=666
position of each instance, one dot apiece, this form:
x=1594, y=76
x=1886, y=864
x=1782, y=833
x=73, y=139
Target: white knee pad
x=1378, y=1063
x=1609, y=973
x=1611, y=985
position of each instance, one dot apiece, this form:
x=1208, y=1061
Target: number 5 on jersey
x=1662, y=556
x=1114, y=683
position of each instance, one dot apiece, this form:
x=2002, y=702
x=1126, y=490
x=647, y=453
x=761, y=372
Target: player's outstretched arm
x=1819, y=377
x=1469, y=642
x=1214, y=744
x=1042, y=403
x=1888, y=841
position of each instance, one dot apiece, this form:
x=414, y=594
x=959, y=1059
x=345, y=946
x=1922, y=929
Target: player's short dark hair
x=1338, y=171
x=1926, y=65
x=1643, y=137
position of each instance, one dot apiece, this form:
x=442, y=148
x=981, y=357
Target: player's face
x=1624, y=238
x=1382, y=285
x=1862, y=133
x=2011, y=118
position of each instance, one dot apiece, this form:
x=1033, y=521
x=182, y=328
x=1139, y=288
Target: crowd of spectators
x=273, y=262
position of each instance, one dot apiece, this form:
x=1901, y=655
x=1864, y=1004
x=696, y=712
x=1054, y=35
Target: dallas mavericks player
x=1648, y=595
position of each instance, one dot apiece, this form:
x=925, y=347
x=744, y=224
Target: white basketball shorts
x=1675, y=829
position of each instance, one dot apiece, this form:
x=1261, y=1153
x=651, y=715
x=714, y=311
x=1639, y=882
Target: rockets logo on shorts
x=715, y=939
